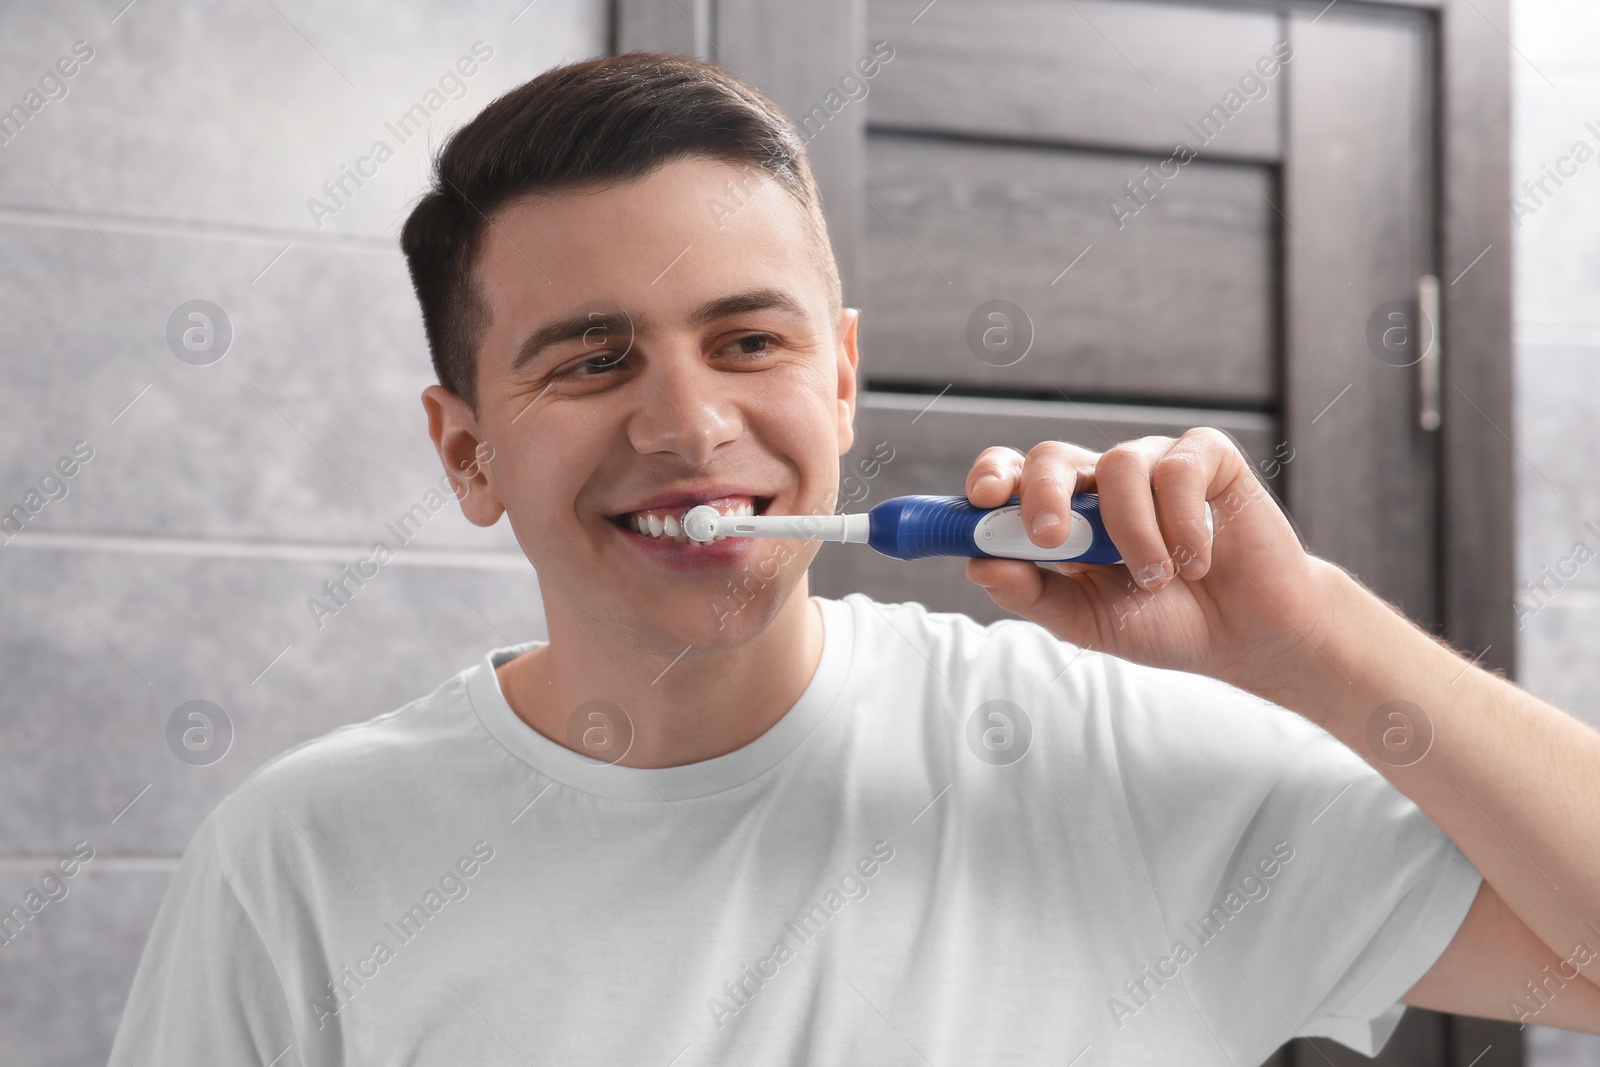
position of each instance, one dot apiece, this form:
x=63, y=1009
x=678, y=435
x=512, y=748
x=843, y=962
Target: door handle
x=1428, y=365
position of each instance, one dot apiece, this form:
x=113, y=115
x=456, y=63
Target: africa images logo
x=852, y=885
x=1251, y=887
x=450, y=887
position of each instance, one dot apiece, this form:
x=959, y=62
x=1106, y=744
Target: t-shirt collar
x=662, y=784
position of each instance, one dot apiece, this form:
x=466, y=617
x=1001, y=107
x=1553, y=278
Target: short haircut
x=594, y=122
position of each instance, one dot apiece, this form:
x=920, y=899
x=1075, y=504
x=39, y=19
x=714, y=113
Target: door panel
x=1175, y=301
x=930, y=443
x=804, y=57
x=1102, y=72
x=1358, y=235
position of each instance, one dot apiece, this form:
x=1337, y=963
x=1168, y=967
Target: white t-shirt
x=963, y=844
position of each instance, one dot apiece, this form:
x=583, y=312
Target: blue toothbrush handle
x=910, y=527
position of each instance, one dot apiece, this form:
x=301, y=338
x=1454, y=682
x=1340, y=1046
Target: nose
x=685, y=409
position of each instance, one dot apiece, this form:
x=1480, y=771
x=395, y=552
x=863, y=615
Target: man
x=1146, y=826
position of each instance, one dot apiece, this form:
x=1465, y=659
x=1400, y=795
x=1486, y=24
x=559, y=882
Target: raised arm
x=1513, y=781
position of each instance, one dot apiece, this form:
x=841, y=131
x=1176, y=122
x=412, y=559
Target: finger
x=1128, y=508
x=994, y=476
x=1010, y=576
x=1197, y=467
x=1050, y=477
x=1060, y=603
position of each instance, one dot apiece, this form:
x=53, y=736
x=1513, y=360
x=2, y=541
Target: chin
x=721, y=612
x=728, y=617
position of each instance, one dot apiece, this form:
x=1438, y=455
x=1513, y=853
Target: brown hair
x=595, y=122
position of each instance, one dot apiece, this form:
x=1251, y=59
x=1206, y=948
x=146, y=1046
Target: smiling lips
x=665, y=523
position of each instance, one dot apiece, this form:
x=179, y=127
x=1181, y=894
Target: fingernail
x=1191, y=567
x=1044, y=520
x=1150, y=574
x=981, y=482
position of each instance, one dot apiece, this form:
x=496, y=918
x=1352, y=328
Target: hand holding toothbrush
x=1231, y=603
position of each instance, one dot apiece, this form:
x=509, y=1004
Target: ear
x=466, y=455
x=849, y=360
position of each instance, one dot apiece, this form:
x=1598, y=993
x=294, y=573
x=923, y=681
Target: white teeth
x=669, y=528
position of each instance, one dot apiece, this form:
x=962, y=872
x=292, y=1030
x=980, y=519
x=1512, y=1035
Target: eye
x=764, y=341
x=593, y=366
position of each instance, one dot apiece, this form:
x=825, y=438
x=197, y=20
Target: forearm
x=1513, y=781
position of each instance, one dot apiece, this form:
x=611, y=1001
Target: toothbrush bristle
x=700, y=522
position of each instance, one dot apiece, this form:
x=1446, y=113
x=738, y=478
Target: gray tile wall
x=175, y=164
x=1556, y=85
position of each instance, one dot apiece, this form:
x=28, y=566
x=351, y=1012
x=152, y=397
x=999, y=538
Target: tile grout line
x=130, y=863
x=45, y=219
x=286, y=551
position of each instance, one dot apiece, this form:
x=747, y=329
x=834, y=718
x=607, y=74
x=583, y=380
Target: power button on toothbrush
x=1000, y=533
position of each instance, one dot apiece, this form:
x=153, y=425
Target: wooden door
x=1196, y=210
x=1183, y=213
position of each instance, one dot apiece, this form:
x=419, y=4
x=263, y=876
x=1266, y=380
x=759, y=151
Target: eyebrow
x=577, y=325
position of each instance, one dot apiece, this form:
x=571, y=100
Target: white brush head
x=700, y=522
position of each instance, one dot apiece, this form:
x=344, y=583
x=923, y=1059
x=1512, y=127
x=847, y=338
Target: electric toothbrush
x=911, y=527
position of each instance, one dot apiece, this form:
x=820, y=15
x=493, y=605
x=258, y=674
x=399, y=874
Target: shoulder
x=358, y=779
x=384, y=742
x=1142, y=706
x=943, y=660
x=870, y=614
x=1010, y=642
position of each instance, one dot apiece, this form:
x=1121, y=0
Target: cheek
x=795, y=419
x=802, y=399
x=543, y=476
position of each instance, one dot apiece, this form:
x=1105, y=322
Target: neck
x=683, y=705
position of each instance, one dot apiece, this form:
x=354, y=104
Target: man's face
x=698, y=363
